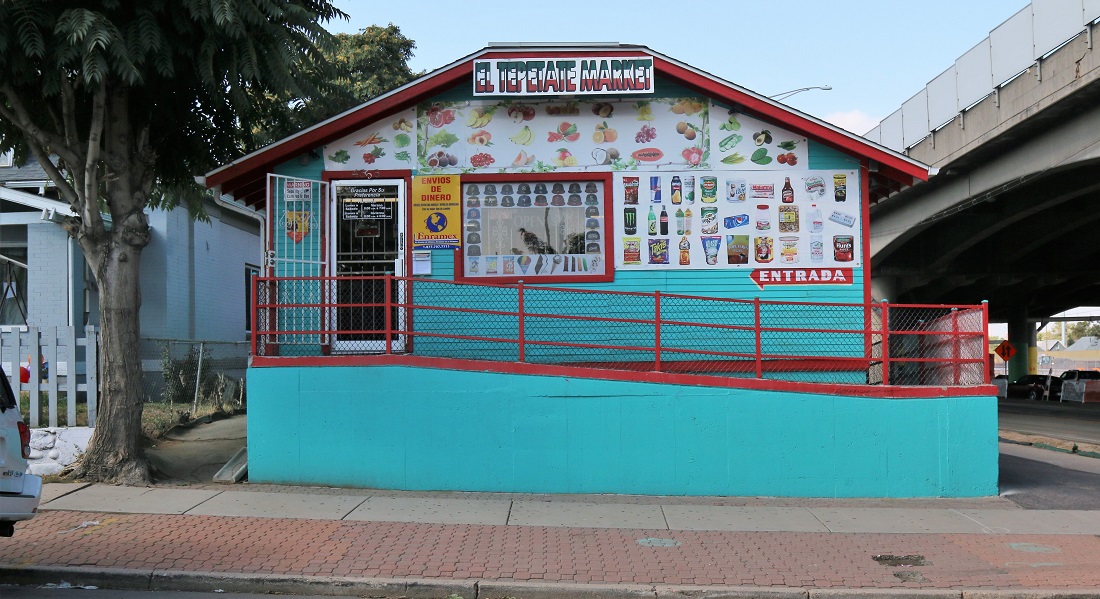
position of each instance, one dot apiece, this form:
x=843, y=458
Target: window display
x=534, y=229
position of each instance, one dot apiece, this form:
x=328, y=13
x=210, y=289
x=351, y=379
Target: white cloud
x=855, y=120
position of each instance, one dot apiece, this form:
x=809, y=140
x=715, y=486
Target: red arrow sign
x=802, y=276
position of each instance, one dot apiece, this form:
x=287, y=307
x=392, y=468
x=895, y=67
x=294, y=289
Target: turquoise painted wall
x=470, y=431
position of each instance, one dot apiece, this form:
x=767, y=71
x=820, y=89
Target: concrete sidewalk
x=265, y=538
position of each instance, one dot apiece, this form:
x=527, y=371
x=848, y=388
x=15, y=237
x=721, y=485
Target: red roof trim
x=322, y=134
x=788, y=119
x=237, y=174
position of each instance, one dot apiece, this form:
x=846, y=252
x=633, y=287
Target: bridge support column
x=1022, y=336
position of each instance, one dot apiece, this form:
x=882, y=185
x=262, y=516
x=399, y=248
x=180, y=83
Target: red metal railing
x=876, y=344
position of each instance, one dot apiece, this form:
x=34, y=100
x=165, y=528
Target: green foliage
x=1077, y=330
x=180, y=81
x=358, y=67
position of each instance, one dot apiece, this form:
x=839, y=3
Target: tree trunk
x=115, y=452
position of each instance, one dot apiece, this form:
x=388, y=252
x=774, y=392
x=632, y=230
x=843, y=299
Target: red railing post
x=955, y=350
x=254, y=299
x=520, y=320
x=758, y=334
x=657, y=330
x=885, y=342
x=987, y=365
x=389, y=313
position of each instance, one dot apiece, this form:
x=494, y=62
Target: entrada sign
x=802, y=276
x=549, y=76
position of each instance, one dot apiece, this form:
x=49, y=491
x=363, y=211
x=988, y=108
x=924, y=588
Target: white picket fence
x=72, y=371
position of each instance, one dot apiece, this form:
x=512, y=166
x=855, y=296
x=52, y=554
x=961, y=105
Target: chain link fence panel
x=194, y=372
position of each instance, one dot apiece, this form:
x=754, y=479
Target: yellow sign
x=436, y=212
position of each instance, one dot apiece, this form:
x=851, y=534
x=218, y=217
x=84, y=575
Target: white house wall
x=48, y=279
x=193, y=275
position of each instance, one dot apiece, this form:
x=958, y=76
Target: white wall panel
x=974, y=74
x=1012, y=46
x=1055, y=21
x=943, y=99
x=874, y=135
x=914, y=118
x=891, y=132
x=1090, y=11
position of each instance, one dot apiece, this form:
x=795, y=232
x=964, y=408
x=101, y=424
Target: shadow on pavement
x=195, y=453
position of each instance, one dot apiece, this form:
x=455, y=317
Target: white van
x=20, y=492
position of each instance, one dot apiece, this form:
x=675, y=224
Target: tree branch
x=68, y=111
x=93, y=221
x=55, y=174
x=19, y=116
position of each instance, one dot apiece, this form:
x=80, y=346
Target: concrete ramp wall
x=411, y=428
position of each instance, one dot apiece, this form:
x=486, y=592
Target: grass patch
x=44, y=410
x=157, y=418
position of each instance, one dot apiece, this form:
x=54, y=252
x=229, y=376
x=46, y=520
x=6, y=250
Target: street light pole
x=784, y=95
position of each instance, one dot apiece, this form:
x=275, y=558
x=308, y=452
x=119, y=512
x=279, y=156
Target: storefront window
x=535, y=230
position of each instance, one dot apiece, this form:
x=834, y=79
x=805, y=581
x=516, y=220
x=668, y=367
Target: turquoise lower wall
x=428, y=429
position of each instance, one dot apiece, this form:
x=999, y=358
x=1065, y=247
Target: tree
x=1079, y=329
x=358, y=67
x=134, y=99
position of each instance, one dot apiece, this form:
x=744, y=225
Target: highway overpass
x=1013, y=214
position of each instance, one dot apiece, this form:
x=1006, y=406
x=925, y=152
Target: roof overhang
x=244, y=178
x=35, y=202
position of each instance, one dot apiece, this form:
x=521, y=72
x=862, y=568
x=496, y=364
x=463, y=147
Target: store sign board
x=367, y=202
x=436, y=212
x=801, y=276
x=594, y=75
x=297, y=190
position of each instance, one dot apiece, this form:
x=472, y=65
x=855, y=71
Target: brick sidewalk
x=552, y=555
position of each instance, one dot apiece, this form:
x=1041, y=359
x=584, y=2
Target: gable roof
x=244, y=178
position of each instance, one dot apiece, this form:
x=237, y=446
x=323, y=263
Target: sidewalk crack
x=818, y=518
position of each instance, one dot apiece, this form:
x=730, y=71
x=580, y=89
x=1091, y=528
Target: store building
x=592, y=268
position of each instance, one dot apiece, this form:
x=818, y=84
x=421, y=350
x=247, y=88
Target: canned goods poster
x=752, y=219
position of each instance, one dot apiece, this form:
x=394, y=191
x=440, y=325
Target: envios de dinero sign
x=553, y=76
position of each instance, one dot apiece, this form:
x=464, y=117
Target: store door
x=368, y=241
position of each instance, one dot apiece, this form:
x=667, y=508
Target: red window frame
x=606, y=234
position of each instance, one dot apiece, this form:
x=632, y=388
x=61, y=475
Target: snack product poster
x=702, y=220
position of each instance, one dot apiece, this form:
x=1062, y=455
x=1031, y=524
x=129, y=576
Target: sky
x=875, y=54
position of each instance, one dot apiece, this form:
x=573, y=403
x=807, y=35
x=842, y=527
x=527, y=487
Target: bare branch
x=68, y=111
x=93, y=222
x=57, y=177
x=20, y=117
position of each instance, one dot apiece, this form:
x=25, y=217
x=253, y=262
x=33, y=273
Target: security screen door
x=368, y=240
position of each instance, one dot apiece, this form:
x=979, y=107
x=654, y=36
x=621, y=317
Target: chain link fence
x=190, y=372
x=791, y=341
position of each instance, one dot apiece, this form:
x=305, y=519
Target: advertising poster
x=436, y=212
x=734, y=219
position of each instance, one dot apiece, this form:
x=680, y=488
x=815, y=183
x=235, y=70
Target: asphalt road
x=1035, y=478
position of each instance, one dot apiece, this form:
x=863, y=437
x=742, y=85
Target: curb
x=423, y=588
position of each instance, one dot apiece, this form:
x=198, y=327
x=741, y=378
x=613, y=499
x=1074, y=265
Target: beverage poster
x=737, y=219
